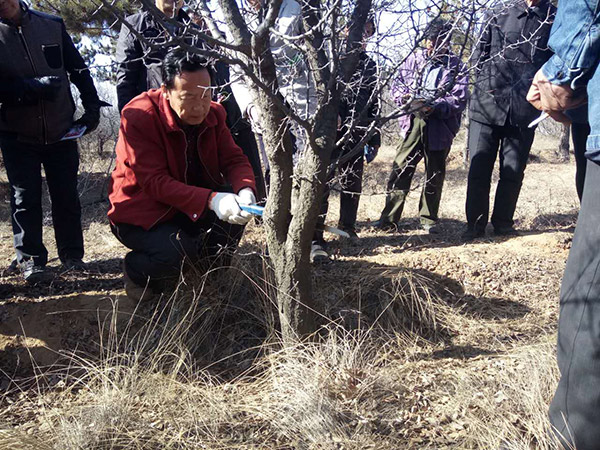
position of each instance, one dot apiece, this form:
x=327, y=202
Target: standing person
x=580, y=130
x=179, y=180
x=559, y=86
x=358, y=108
x=139, y=69
x=38, y=61
x=511, y=49
x=437, y=81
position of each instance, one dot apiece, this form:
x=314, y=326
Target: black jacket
x=40, y=47
x=359, y=104
x=139, y=63
x=512, y=47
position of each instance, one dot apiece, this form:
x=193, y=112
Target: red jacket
x=148, y=184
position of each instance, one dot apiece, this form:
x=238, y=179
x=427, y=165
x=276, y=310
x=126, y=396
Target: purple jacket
x=450, y=100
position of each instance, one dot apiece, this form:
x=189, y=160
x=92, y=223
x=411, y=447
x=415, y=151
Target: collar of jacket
x=168, y=116
x=540, y=10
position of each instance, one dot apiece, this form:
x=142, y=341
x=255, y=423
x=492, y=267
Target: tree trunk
x=563, y=147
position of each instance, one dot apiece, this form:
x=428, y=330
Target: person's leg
x=575, y=409
x=514, y=152
x=352, y=174
x=408, y=156
x=217, y=241
x=156, y=255
x=61, y=164
x=580, y=133
x=435, y=172
x=483, y=148
x=23, y=168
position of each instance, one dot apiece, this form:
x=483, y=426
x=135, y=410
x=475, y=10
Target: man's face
x=170, y=8
x=9, y=9
x=531, y=3
x=436, y=45
x=190, y=96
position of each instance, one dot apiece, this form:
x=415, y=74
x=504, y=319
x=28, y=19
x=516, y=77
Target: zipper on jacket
x=44, y=125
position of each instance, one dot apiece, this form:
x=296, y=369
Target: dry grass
x=427, y=343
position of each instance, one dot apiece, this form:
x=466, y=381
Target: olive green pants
x=414, y=148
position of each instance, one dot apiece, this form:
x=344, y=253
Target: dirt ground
x=500, y=294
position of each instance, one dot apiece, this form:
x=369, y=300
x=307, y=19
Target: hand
x=254, y=117
x=90, y=120
x=246, y=197
x=553, y=98
x=42, y=88
x=424, y=112
x=227, y=208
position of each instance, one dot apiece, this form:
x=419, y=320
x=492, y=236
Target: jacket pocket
x=53, y=55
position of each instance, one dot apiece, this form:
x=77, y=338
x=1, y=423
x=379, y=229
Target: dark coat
x=512, y=47
x=139, y=64
x=148, y=185
x=359, y=105
x=40, y=47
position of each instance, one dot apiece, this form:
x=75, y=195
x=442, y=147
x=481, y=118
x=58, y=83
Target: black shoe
x=74, y=264
x=508, y=231
x=472, y=233
x=385, y=226
x=318, y=254
x=431, y=228
x=34, y=274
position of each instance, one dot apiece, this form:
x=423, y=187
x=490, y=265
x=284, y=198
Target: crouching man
x=179, y=180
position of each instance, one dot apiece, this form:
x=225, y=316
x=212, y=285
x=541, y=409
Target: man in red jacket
x=178, y=181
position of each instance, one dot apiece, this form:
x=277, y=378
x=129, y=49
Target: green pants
x=414, y=148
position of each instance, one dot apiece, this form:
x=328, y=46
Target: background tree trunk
x=564, y=145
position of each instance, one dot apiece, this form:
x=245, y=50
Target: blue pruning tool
x=259, y=210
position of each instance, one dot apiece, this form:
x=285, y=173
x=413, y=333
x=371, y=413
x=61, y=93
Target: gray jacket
x=41, y=46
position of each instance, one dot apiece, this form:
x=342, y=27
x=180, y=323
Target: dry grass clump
x=503, y=401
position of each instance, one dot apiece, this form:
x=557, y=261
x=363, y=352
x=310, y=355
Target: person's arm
x=482, y=49
x=129, y=59
x=560, y=84
x=400, y=85
x=455, y=100
x=576, y=43
x=80, y=76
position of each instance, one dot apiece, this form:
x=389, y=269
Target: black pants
x=23, y=164
x=580, y=133
x=485, y=142
x=158, y=255
x=575, y=409
x=414, y=148
x=350, y=174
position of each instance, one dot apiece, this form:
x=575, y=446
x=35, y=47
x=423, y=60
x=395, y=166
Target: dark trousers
x=485, y=142
x=158, y=255
x=579, y=134
x=350, y=174
x=414, y=148
x=23, y=164
x=575, y=409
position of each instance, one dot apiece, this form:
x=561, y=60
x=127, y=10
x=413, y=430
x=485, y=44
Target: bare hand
x=553, y=98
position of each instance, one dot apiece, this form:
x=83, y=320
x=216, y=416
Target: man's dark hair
x=437, y=28
x=178, y=61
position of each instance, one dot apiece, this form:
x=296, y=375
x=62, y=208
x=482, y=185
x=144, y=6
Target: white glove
x=226, y=207
x=246, y=197
x=254, y=117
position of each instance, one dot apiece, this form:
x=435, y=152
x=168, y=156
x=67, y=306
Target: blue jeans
x=23, y=164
